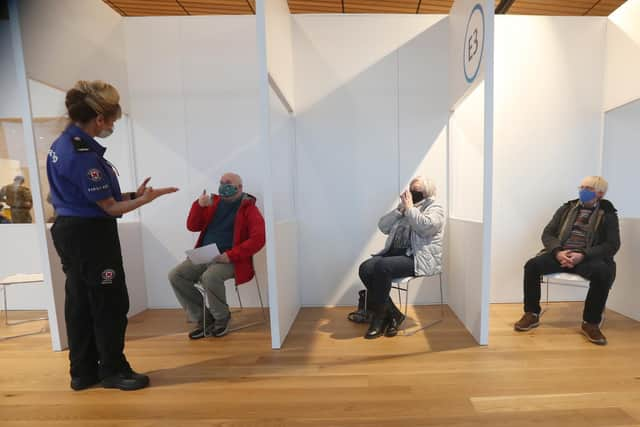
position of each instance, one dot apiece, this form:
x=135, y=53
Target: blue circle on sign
x=471, y=78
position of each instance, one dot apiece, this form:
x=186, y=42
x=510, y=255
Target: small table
x=18, y=279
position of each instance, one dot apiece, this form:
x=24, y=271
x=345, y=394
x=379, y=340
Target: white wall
x=68, y=40
x=622, y=55
x=371, y=97
x=195, y=104
x=548, y=101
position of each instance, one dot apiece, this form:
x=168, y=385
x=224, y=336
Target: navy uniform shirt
x=79, y=175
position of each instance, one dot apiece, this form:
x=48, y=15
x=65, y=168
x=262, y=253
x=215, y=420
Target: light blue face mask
x=586, y=195
x=227, y=190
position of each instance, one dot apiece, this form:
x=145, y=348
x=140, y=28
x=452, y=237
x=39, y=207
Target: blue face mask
x=586, y=195
x=227, y=190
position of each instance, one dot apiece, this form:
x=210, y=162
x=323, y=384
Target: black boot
x=395, y=319
x=361, y=315
x=379, y=322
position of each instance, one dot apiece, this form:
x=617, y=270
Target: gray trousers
x=212, y=277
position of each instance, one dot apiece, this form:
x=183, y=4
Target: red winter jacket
x=248, y=233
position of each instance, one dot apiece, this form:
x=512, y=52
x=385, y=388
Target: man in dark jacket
x=581, y=238
x=232, y=222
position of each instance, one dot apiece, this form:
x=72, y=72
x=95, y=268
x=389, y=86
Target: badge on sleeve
x=79, y=145
x=94, y=175
x=107, y=276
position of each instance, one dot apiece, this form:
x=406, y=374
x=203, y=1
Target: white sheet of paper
x=203, y=254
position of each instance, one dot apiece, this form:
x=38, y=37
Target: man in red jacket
x=231, y=221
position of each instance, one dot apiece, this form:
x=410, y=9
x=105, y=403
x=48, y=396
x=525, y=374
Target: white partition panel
x=275, y=45
x=195, y=117
x=53, y=288
x=55, y=58
x=465, y=273
x=620, y=158
x=548, y=127
x=282, y=146
x=625, y=293
x=371, y=99
x=466, y=228
x=470, y=149
x=619, y=166
x=622, y=55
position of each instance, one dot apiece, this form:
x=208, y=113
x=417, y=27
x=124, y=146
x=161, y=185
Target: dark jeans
x=96, y=298
x=599, y=273
x=376, y=274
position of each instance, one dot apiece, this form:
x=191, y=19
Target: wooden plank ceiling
x=247, y=7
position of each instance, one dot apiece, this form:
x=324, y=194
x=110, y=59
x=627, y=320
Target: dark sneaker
x=81, y=383
x=593, y=333
x=527, y=322
x=197, y=333
x=126, y=381
x=222, y=329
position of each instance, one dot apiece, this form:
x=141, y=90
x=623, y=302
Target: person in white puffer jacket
x=413, y=247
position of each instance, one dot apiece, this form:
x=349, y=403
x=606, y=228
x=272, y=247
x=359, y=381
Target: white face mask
x=105, y=133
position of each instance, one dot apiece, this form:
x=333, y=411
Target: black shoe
x=81, y=383
x=223, y=329
x=126, y=381
x=361, y=315
x=378, y=324
x=395, y=320
x=197, y=333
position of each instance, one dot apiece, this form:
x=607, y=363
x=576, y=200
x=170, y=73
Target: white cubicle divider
x=371, y=113
x=619, y=166
x=54, y=289
x=547, y=135
x=621, y=106
x=470, y=148
x=277, y=100
x=622, y=59
x=55, y=59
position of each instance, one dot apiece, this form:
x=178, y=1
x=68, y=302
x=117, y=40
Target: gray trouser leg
x=182, y=279
x=213, y=281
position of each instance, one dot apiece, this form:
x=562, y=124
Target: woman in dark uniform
x=87, y=198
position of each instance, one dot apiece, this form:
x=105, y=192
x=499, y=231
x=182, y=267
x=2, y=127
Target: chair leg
x=259, y=322
x=546, y=305
x=434, y=322
x=4, y=298
x=204, y=312
x=238, y=294
x=264, y=316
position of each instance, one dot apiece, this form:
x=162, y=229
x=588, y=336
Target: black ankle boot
x=379, y=323
x=361, y=315
x=395, y=320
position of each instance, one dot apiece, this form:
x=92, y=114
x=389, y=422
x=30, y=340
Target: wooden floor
x=327, y=375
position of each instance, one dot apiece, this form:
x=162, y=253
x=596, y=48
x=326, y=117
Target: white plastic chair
x=564, y=279
x=205, y=306
x=401, y=284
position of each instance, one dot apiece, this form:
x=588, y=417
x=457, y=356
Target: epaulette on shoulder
x=79, y=145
